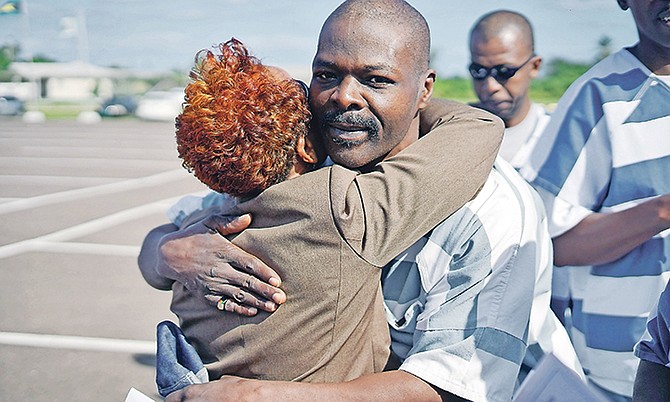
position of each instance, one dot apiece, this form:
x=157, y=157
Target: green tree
x=40, y=58
x=8, y=54
x=604, y=47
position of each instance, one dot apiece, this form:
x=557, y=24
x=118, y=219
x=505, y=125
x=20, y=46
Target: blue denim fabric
x=177, y=362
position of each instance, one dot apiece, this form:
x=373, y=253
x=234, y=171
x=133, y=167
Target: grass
x=60, y=110
x=543, y=91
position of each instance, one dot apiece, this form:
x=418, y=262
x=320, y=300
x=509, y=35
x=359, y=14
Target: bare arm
x=601, y=238
x=652, y=383
x=392, y=386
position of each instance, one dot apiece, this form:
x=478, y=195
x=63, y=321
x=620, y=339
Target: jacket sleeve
x=383, y=212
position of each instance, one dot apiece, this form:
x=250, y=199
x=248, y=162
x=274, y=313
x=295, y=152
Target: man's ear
x=536, y=64
x=623, y=4
x=427, y=88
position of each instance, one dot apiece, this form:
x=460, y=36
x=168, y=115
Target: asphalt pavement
x=77, y=320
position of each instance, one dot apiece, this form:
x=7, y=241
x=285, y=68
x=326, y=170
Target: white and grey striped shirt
x=459, y=300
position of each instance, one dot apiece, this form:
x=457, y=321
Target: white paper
x=552, y=381
x=136, y=396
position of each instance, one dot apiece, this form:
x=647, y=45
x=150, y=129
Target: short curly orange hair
x=240, y=125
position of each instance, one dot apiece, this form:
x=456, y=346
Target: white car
x=160, y=105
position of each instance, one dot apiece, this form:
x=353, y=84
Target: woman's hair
x=240, y=125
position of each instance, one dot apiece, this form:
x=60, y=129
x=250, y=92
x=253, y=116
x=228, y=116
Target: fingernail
x=253, y=310
x=271, y=306
x=279, y=298
x=274, y=281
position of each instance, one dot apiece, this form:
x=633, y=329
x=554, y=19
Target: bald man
x=503, y=65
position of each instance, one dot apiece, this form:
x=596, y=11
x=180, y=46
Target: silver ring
x=221, y=304
x=212, y=273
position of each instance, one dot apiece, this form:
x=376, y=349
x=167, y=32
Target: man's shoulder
x=606, y=79
x=504, y=194
x=505, y=179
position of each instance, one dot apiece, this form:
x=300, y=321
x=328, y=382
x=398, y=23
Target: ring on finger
x=221, y=304
x=239, y=297
x=247, y=281
x=212, y=273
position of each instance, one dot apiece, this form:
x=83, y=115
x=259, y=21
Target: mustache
x=367, y=123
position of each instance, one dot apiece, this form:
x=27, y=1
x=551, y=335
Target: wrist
x=664, y=211
x=661, y=206
x=149, y=258
x=164, y=254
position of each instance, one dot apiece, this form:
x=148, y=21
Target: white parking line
x=77, y=343
x=88, y=248
x=73, y=181
x=52, y=241
x=70, y=195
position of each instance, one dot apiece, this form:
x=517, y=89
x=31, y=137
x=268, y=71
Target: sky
x=164, y=35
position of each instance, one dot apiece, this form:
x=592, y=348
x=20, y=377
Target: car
x=160, y=105
x=118, y=105
x=11, y=106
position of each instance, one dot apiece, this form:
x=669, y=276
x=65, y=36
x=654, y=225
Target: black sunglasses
x=500, y=72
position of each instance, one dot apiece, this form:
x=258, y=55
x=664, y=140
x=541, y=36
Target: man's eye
x=324, y=75
x=379, y=81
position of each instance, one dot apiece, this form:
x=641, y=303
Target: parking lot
x=77, y=319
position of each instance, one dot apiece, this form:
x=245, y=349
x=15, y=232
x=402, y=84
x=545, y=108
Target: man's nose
x=490, y=84
x=347, y=94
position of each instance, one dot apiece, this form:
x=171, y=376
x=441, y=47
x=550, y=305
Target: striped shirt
x=607, y=148
x=458, y=301
x=546, y=332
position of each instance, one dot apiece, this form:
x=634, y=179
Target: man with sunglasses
x=503, y=66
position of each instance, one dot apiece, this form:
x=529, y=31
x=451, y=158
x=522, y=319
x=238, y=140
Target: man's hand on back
x=203, y=260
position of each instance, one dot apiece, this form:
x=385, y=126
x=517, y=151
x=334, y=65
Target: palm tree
x=604, y=47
